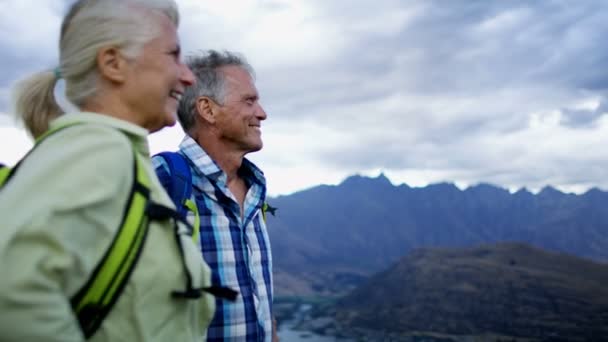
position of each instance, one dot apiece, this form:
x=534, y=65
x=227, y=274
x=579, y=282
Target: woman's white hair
x=88, y=26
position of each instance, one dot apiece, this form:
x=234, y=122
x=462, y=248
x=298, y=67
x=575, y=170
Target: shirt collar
x=137, y=134
x=209, y=168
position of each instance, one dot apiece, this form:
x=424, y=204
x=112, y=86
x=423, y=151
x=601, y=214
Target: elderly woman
x=88, y=177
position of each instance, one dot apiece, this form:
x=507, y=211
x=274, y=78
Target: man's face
x=240, y=117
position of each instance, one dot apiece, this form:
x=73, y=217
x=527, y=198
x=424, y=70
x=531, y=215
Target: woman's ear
x=111, y=64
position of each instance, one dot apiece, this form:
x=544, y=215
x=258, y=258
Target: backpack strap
x=4, y=172
x=96, y=298
x=179, y=187
x=267, y=208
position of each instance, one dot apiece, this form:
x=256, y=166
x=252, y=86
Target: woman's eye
x=175, y=53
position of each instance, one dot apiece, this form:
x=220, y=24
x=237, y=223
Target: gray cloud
x=456, y=72
x=467, y=90
x=583, y=118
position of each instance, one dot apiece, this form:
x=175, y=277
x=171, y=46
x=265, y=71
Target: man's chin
x=256, y=147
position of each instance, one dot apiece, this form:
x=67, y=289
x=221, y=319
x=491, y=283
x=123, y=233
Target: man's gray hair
x=210, y=81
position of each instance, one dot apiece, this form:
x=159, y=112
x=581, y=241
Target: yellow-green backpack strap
x=267, y=208
x=188, y=203
x=95, y=299
x=264, y=210
x=4, y=172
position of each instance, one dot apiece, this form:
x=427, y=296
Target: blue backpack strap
x=180, y=187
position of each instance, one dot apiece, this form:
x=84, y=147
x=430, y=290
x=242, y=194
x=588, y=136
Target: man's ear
x=111, y=64
x=206, y=108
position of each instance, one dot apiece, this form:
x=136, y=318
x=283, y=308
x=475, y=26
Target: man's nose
x=261, y=113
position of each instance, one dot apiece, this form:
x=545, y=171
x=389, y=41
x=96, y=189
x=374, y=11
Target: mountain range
x=329, y=239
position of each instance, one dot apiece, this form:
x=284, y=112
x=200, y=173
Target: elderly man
x=222, y=118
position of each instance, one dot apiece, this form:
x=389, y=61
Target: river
x=288, y=333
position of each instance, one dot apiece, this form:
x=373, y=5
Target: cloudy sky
x=506, y=92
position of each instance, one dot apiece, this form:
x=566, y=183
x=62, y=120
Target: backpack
x=95, y=299
x=180, y=189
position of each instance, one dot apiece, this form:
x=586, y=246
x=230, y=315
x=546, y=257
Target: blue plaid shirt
x=237, y=250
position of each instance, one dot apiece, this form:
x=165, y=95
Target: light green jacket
x=58, y=215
